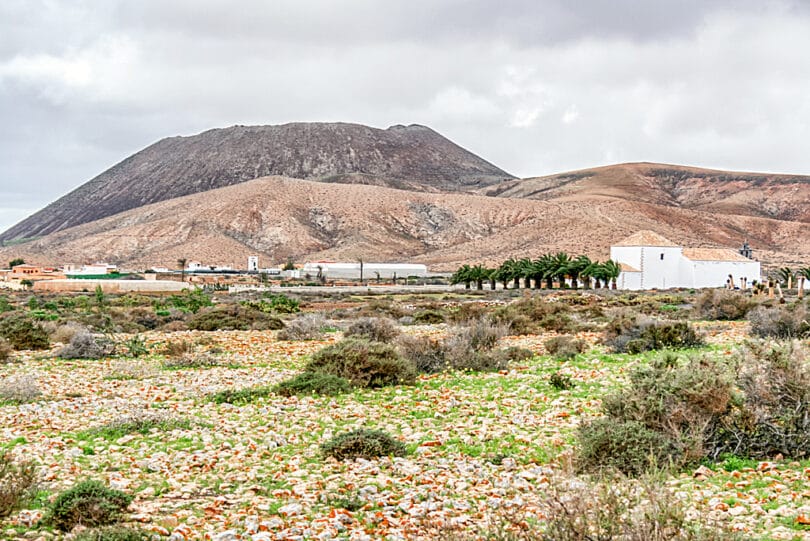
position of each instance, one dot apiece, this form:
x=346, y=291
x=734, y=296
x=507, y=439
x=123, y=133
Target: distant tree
x=26, y=283
x=785, y=276
x=612, y=270
x=360, y=260
x=14, y=262
x=182, y=262
x=462, y=276
x=288, y=266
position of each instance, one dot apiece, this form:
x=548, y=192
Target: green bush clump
x=780, y=321
x=534, y=315
x=17, y=483
x=428, y=317
x=722, y=304
x=755, y=405
x=139, y=423
x=376, y=329
x=560, y=381
x=113, y=533
x=233, y=318
x=190, y=301
x=280, y=304
x=5, y=351
x=631, y=334
x=363, y=444
x=240, y=397
x=363, y=363
x=89, y=503
x=565, y=347
x=309, y=383
x=22, y=333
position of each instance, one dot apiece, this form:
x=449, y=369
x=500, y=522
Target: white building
x=253, y=263
x=331, y=269
x=90, y=270
x=650, y=261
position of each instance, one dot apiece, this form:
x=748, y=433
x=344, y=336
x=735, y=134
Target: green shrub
x=113, y=533
x=240, y=397
x=772, y=416
x=279, y=303
x=17, y=483
x=136, y=346
x=139, y=423
x=629, y=334
x=363, y=363
x=305, y=327
x=534, y=315
x=565, y=347
x=5, y=305
x=780, y=321
x=363, y=444
x=376, y=329
x=233, y=318
x=722, y=304
x=190, y=301
x=560, y=381
x=89, y=503
x=428, y=317
x=517, y=354
x=627, y=446
x=308, y=383
x=22, y=333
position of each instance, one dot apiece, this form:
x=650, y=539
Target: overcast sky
x=534, y=86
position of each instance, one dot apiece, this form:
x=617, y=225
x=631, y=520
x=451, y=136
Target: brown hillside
x=278, y=217
x=764, y=195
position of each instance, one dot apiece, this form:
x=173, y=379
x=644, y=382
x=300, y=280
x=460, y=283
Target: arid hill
x=279, y=217
x=764, y=195
x=408, y=157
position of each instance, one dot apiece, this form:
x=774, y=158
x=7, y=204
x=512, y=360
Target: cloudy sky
x=535, y=86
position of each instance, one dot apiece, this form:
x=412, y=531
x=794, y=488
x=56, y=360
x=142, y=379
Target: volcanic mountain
x=409, y=157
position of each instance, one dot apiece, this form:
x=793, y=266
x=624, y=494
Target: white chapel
x=650, y=261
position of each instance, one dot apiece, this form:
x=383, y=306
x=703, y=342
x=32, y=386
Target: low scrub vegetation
x=141, y=423
x=23, y=333
x=113, y=533
x=233, y=318
x=6, y=351
x=780, y=321
x=85, y=345
x=363, y=444
x=190, y=361
x=534, y=315
x=629, y=333
x=19, y=390
x=363, y=363
x=376, y=329
x=565, y=347
x=677, y=411
x=722, y=304
x=240, y=397
x=305, y=327
x=89, y=503
x=18, y=482
x=313, y=383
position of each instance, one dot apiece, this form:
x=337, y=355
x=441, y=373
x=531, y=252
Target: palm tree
x=525, y=268
x=462, y=276
x=492, y=275
x=576, y=267
x=182, y=264
x=503, y=273
x=545, y=269
x=539, y=267
x=595, y=271
x=785, y=276
x=612, y=270
x=561, y=261
x=802, y=275
x=478, y=274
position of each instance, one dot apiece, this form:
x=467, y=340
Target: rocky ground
x=482, y=445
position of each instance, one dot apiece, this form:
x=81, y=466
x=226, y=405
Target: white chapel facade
x=650, y=261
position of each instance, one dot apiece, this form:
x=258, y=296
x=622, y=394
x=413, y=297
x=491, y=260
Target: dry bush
x=468, y=311
x=780, y=321
x=85, y=345
x=63, y=334
x=363, y=363
x=177, y=348
x=191, y=360
x=533, y=315
x=376, y=329
x=773, y=416
x=19, y=390
x=305, y=327
x=662, y=418
x=565, y=347
x=602, y=508
x=233, y=317
x=23, y=333
x=131, y=370
x=6, y=351
x=427, y=354
x=722, y=304
x=175, y=326
x=17, y=483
